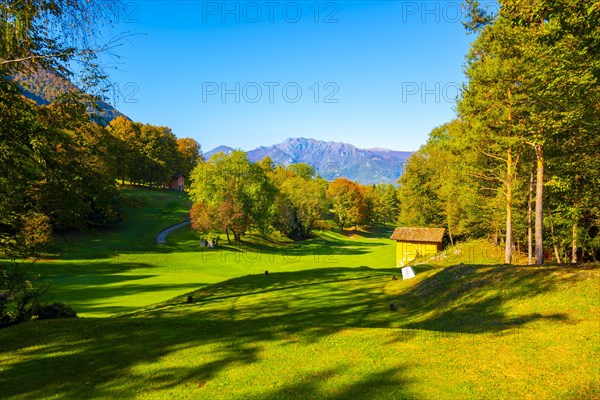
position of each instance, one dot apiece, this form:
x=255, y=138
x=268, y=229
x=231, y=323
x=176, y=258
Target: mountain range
x=332, y=160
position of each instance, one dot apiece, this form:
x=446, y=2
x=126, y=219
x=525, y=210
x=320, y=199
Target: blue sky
x=244, y=74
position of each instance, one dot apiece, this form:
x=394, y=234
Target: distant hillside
x=333, y=159
x=44, y=87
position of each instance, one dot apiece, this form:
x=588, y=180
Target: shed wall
x=407, y=252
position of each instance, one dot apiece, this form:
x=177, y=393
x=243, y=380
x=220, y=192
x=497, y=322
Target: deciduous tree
x=235, y=193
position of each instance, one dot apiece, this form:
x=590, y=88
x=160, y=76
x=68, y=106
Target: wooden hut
x=177, y=182
x=416, y=242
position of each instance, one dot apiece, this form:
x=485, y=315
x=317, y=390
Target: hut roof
x=418, y=234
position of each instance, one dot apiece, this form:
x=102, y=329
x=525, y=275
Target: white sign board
x=407, y=273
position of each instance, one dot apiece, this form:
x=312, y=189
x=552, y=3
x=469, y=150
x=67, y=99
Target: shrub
x=54, y=311
x=19, y=293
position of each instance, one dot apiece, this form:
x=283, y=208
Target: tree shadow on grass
x=90, y=287
x=468, y=299
x=291, y=249
x=96, y=358
x=239, y=319
x=472, y=298
x=389, y=383
x=465, y=299
x=250, y=285
x=377, y=232
x=101, y=359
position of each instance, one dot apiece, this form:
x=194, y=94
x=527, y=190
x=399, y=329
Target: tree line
x=58, y=162
x=520, y=164
x=150, y=155
x=232, y=195
x=58, y=168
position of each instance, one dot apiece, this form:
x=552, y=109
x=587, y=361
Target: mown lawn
x=121, y=269
x=318, y=326
x=480, y=332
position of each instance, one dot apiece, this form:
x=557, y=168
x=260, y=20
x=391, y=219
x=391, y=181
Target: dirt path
x=161, y=238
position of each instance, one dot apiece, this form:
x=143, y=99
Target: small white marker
x=407, y=273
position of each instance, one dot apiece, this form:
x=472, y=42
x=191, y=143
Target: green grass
x=488, y=332
x=317, y=327
x=121, y=269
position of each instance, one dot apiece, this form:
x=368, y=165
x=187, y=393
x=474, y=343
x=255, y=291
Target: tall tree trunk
x=574, y=243
x=509, y=217
x=539, y=206
x=530, y=216
x=450, y=235
x=509, y=191
x=227, y=233
x=554, y=245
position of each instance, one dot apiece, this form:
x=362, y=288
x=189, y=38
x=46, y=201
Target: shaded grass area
x=148, y=211
x=122, y=268
x=133, y=279
x=460, y=332
x=318, y=326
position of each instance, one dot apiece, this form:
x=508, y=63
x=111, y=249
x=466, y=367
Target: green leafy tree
x=60, y=36
x=348, y=202
x=35, y=234
x=124, y=144
x=543, y=56
x=21, y=293
x=563, y=95
x=420, y=204
x=301, y=202
x=386, y=204
x=267, y=164
x=189, y=152
x=234, y=192
x=18, y=166
x=159, y=147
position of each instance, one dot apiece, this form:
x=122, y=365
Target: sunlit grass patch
x=319, y=325
x=329, y=334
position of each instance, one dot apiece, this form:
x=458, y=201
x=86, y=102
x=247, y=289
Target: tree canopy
x=520, y=163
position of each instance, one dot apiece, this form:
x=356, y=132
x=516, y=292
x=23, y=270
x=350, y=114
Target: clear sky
x=245, y=74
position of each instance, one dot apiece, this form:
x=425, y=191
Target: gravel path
x=161, y=238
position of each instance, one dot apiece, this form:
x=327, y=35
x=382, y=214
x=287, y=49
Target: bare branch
x=492, y=156
x=485, y=177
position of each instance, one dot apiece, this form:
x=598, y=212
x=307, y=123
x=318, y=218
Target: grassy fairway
x=121, y=269
x=490, y=332
x=318, y=326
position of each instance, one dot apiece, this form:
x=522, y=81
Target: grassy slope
x=318, y=326
x=122, y=269
x=460, y=332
